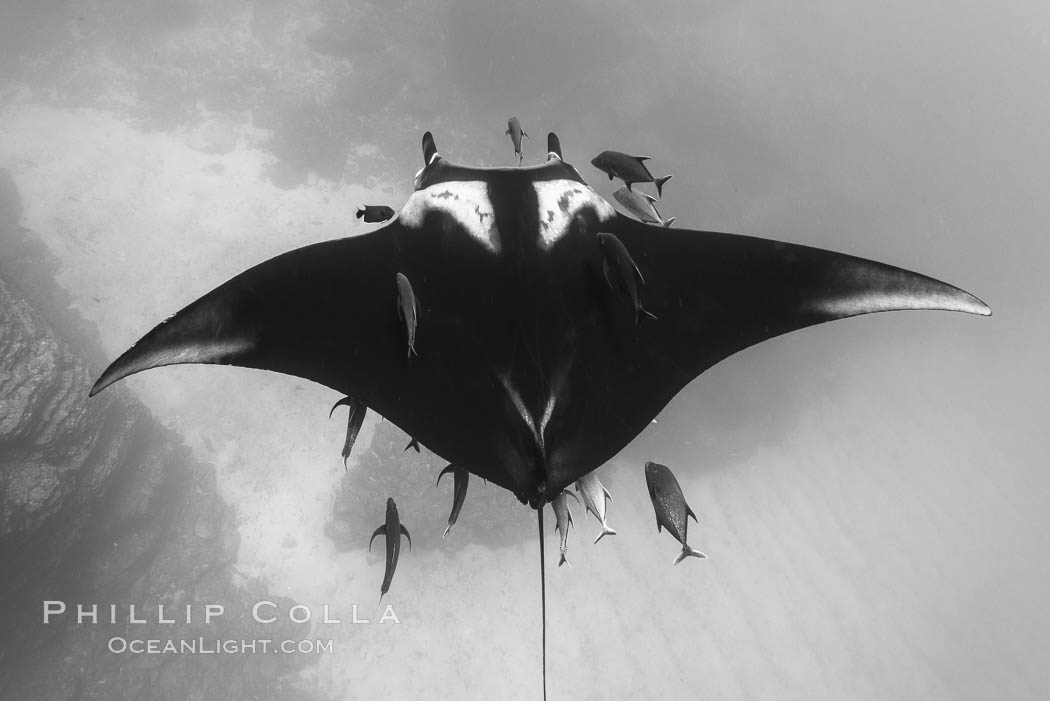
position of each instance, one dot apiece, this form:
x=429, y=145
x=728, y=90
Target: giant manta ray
x=531, y=369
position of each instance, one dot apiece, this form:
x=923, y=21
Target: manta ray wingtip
x=213, y=330
x=100, y=384
x=852, y=286
x=977, y=306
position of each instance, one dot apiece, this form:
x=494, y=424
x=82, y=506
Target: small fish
x=594, y=496
x=353, y=423
x=373, y=213
x=392, y=527
x=563, y=519
x=413, y=444
x=642, y=206
x=461, y=478
x=516, y=132
x=669, y=503
x=629, y=169
x=619, y=266
x=408, y=309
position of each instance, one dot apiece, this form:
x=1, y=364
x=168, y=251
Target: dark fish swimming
x=373, y=213
x=671, y=510
x=562, y=521
x=460, y=480
x=408, y=309
x=393, y=530
x=642, y=206
x=516, y=132
x=629, y=169
x=353, y=423
x=542, y=397
x=622, y=273
x=594, y=498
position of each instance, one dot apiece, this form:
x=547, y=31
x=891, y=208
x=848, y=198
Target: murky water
x=870, y=491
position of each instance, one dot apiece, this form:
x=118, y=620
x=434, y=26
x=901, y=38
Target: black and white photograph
x=466, y=349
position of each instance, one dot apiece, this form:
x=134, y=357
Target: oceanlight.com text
x=214, y=646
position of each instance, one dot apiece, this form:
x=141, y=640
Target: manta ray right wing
x=713, y=294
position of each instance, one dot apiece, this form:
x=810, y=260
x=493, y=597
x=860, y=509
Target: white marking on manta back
x=560, y=201
x=466, y=201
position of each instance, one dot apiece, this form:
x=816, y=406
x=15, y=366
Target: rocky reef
x=100, y=504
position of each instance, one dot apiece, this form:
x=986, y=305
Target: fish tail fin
x=543, y=601
x=346, y=468
x=688, y=552
x=642, y=311
x=660, y=184
x=564, y=561
x=605, y=531
x=447, y=529
x=667, y=222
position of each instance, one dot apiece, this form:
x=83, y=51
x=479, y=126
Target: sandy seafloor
x=887, y=539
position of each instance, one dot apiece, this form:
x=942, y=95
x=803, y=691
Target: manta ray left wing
x=328, y=312
x=297, y=313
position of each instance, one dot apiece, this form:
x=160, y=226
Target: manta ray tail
x=543, y=600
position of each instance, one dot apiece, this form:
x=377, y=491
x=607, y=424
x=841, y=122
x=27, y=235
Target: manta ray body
x=531, y=370
x=531, y=367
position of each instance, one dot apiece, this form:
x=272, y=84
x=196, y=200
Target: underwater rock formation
x=100, y=504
